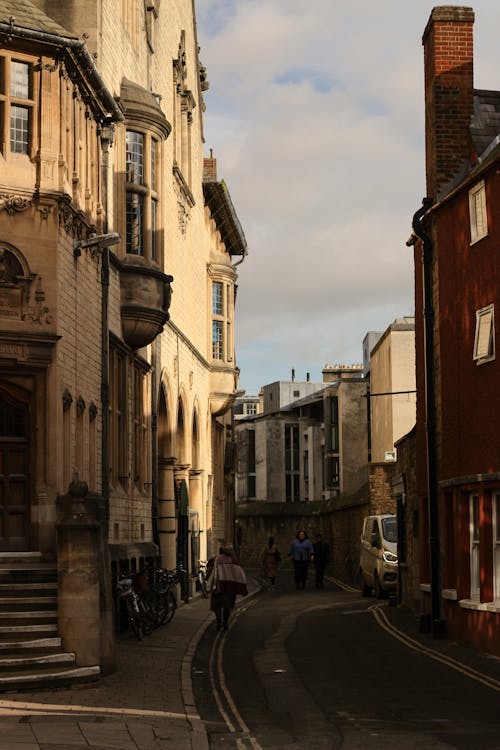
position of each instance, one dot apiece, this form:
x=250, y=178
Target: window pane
x=134, y=223
x=154, y=149
x=154, y=243
x=484, y=334
x=19, y=119
x=134, y=157
x=217, y=339
x=217, y=306
x=19, y=80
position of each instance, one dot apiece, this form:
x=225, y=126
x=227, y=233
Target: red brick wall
x=448, y=54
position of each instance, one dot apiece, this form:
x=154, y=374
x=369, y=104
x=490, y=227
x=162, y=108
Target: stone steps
x=31, y=655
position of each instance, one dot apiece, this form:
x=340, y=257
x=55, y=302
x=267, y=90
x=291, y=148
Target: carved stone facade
x=106, y=377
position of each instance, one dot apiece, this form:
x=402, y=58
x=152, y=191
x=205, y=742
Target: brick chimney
x=210, y=168
x=448, y=56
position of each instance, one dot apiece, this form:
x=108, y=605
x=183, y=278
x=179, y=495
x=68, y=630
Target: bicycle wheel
x=147, y=617
x=170, y=606
x=134, y=620
x=203, y=583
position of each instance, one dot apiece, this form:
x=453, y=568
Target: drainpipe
x=438, y=625
x=106, y=141
x=154, y=444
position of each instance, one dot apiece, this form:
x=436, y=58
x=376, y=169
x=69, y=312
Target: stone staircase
x=31, y=655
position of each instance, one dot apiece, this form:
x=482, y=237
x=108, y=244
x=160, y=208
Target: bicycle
x=202, y=577
x=166, y=594
x=139, y=618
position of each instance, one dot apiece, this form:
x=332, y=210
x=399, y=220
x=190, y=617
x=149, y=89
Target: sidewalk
x=147, y=704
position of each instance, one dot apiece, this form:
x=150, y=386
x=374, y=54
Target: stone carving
x=67, y=400
x=13, y=203
x=80, y=406
x=39, y=312
x=16, y=289
x=73, y=221
x=92, y=411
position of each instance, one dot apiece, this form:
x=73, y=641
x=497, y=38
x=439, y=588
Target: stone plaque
x=10, y=301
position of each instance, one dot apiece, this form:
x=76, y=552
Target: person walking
x=270, y=559
x=226, y=580
x=321, y=559
x=301, y=552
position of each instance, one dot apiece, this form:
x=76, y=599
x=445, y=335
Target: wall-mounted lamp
x=95, y=243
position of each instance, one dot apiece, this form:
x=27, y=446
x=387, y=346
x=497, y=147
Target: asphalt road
x=323, y=669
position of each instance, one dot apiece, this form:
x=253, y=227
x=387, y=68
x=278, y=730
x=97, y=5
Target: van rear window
x=390, y=529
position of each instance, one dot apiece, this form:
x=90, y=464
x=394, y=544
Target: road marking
x=216, y=655
x=474, y=674
x=21, y=707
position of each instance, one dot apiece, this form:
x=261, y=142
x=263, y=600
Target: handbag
x=277, y=555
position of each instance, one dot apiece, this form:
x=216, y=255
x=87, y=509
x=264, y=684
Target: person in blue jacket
x=301, y=552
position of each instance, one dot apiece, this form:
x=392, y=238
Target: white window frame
x=222, y=312
x=475, y=565
x=484, y=339
x=496, y=545
x=478, y=213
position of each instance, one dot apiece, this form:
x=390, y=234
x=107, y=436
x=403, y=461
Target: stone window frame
x=221, y=320
x=7, y=100
x=148, y=190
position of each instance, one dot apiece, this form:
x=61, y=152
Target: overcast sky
x=315, y=115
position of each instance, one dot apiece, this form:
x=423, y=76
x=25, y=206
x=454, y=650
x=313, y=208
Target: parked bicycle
x=165, y=590
x=150, y=599
x=139, y=618
x=202, y=577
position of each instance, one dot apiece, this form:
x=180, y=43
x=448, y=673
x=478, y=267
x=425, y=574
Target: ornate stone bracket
x=67, y=400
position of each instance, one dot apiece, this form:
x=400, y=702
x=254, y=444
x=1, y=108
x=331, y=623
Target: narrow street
x=328, y=669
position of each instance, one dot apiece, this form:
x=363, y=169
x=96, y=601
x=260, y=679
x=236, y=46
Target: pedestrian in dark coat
x=321, y=559
x=301, y=552
x=227, y=580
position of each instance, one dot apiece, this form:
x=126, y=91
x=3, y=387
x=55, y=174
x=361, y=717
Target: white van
x=378, y=563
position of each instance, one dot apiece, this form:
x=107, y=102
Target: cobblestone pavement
x=147, y=704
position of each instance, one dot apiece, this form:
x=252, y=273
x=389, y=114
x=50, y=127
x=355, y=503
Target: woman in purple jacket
x=301, y=552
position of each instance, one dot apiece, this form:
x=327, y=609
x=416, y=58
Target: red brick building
x=457, y=292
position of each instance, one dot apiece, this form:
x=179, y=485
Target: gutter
x=438, y=625
x=81, y=52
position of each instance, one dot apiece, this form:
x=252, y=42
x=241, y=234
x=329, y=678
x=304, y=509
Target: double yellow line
x=415, y=645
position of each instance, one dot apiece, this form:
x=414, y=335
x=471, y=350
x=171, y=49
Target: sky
x=315, y=114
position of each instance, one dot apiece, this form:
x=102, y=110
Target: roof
x=221, y=207
x=26, y=14
x=485, y=123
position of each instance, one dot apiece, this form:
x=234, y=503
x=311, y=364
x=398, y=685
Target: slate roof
x=27, y=15
x=485, y=123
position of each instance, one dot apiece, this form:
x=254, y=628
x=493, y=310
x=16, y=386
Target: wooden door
x=14, y=475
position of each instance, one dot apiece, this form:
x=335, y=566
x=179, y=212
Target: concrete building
x=118, y=254
x=456, y=239
x=308, y=449
x=392, y=388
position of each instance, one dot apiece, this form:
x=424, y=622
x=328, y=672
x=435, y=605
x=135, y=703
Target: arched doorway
x=14, y=469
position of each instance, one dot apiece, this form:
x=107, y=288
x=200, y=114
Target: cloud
x=316, y=117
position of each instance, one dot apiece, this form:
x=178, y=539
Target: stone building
x=392, y=388
x=118, y=254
